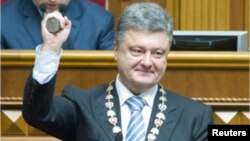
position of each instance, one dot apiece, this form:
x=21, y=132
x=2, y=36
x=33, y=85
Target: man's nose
x=147, y=60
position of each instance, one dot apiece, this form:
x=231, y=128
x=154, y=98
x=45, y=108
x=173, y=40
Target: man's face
x=141, y=58
x=51, y=5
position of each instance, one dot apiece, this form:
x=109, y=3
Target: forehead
x=146, y=39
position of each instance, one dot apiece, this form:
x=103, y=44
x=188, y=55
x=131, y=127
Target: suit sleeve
x=201, y=134
x=107, y=36
x=53, y=115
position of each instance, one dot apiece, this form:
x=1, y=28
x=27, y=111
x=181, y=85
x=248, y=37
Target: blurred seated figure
x=92, y=26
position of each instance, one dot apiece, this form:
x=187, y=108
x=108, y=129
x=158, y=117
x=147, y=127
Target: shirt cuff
x=46, y=65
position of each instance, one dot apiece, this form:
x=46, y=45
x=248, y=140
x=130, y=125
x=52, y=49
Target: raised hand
x=54, y=41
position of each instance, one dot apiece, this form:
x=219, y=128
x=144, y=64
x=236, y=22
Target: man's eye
x=136, y=52
x=158, y=54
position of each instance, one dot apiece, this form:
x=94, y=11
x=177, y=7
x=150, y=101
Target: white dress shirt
x=124, y=94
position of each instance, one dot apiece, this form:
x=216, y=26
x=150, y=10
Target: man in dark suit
x=133, y=107
x=92, y=26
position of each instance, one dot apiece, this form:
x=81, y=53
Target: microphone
x=53, y=24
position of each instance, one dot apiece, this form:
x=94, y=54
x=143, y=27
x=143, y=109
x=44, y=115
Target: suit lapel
x=101, y=113
x=172, y=115
x=32, y=20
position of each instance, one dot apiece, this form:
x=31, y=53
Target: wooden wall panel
x=185, y=12
x=173, y=8
x=237, y=13
x=197, y=11
x=208, y=83
x=247, y=20
x=222, y=15
x=204, y=15
x=117, y=6
x=239, y=16
x=212, y=14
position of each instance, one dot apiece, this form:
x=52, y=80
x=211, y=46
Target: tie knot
x=135, y=103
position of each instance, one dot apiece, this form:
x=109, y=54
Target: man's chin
x=144, y=83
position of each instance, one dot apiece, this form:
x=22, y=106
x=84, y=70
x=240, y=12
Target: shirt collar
x=124, y=93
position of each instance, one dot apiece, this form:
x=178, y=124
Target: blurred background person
x=92, y=26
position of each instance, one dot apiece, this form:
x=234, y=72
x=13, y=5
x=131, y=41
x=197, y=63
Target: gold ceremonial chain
x=159, y=119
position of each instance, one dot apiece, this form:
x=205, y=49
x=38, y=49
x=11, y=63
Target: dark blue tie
x=136, y=129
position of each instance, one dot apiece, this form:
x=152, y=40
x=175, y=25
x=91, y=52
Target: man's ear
x=115, y=50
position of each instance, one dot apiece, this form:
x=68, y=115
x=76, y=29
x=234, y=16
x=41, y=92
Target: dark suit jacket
x=92, y=26
x=81, y=115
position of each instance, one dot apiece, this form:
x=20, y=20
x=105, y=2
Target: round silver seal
x=53, y=25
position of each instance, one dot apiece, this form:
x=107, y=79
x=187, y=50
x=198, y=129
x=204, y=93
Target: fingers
x=68, y=23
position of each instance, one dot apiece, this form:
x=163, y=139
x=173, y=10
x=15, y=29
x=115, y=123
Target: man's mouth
x=146, y=71
x=52, y=7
